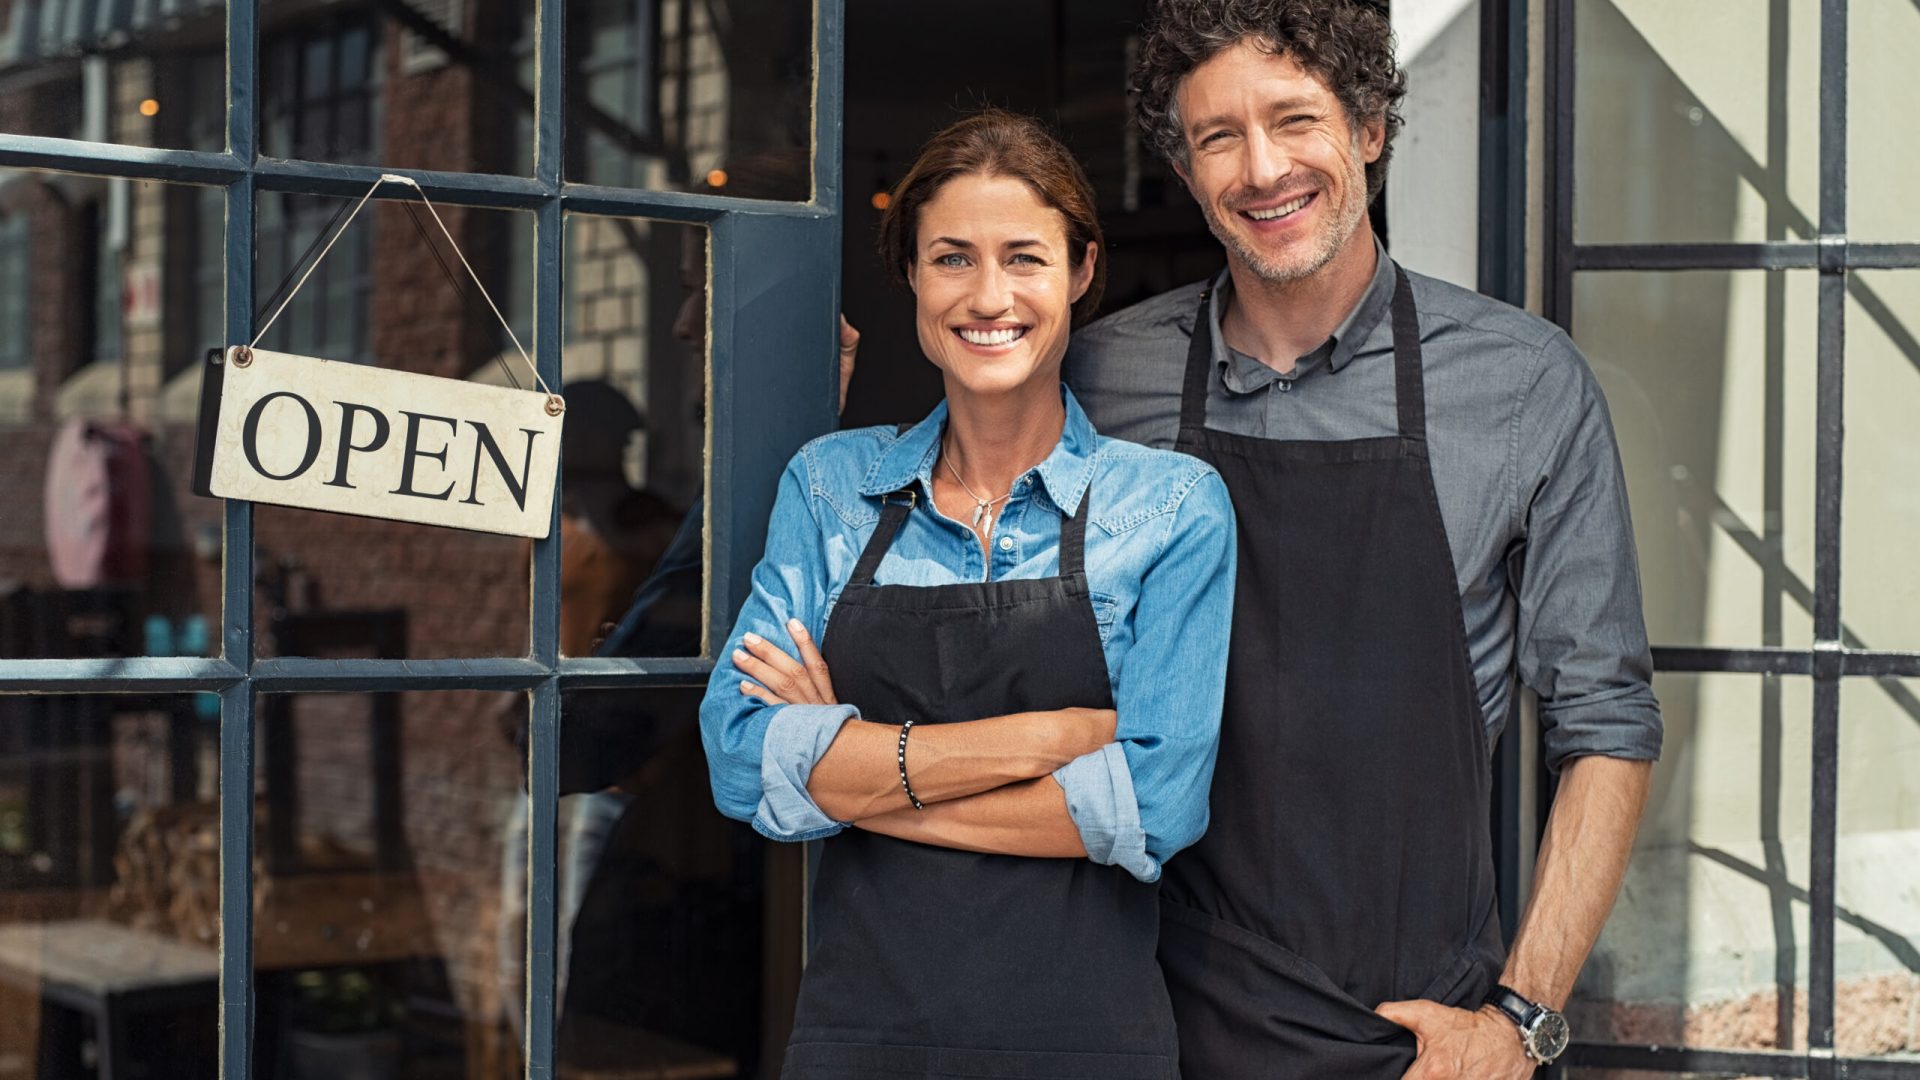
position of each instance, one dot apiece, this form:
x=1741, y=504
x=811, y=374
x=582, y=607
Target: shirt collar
x=1065, y=473
x=1338, y=350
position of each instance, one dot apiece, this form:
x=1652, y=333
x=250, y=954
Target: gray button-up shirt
x=1524, y=463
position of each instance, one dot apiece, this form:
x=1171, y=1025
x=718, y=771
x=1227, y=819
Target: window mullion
x=1827, y=623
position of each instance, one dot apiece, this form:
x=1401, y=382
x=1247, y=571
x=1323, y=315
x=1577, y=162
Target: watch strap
x=1513, y=1005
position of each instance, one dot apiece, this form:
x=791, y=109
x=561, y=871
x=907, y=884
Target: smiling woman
x=1011, y=716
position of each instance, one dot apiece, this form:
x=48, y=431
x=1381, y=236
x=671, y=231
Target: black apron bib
x=930, y=964
x=1348, y=861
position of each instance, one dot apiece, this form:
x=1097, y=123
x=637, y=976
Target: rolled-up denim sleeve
x=1101, y=801
x=1143, y=797
x=759, y=756
x=797, y=736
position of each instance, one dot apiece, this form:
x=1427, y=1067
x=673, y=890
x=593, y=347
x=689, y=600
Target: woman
x=1014, y=719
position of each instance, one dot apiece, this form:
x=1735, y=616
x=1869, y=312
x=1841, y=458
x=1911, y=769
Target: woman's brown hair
x=995, y=142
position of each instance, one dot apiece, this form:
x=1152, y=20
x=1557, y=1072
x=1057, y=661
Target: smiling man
x=1430, y=503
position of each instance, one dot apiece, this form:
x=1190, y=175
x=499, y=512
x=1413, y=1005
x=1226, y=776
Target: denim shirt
x=1160, y=565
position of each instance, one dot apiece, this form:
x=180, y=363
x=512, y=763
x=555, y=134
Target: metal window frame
x=774, y=279
x=1833, y=656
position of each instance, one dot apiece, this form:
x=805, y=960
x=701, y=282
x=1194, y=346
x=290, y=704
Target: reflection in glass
x=680, y=930
x=110, y=292
x=391, y=294
x=433, y=85
x=109, y=885
x=134, y=74
x=682, y=93
x=632, y=566
x=1877, y=880
x=1708, y=944
x=1710, y=380
x=377, y=884
x=1711, y=106
x=1880, y=587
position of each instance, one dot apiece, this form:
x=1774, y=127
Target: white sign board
x=326, y=435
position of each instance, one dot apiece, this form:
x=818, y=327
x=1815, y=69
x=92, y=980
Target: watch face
x=1549, y=1037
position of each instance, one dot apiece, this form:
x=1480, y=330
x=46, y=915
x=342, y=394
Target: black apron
x=928, y=963
x=1348, y=861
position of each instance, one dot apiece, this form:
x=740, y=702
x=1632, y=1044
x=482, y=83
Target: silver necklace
x=981, y=505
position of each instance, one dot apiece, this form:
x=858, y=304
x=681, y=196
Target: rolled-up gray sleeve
x=1582, y=635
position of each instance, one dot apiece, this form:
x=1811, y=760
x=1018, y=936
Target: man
x=1430, y=501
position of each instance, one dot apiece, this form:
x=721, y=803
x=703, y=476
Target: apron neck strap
x=1193, y=392
x=899, y=505
x=1409, y=376
x=1073, y=538
x=1409, y=381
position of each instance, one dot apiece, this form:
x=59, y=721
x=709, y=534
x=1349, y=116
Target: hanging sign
x=329, y=435
x=326, y=435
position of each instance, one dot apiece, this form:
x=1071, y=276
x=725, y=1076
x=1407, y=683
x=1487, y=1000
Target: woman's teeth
x=1280, y=211
x=993, y=337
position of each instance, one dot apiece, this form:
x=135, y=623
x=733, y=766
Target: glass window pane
x=110, y=295
x=634, y=452
x=1882, y=40
x=133, y=74
x=382, y=882
x=1880, y=503
x=1710, y=378
x=685, y=95
x=109, y=885
x=681, y=929
x=1877, y=884
x=440, y=88
x=1708, y=943
x=336, y=585
x=1697, y=121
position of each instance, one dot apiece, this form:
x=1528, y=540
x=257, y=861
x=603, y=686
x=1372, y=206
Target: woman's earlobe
x=1083, y=274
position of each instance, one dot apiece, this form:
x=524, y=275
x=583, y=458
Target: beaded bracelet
x=904, y=786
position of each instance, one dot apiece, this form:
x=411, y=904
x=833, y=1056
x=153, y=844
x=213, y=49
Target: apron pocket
x=876, y=1061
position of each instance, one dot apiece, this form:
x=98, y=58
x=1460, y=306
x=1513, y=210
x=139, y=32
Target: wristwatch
x=1544, y=1033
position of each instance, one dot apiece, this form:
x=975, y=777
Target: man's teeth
x=1279, y=211
x=993, y=337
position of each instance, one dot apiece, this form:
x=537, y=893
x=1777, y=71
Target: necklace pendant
x=979, y=512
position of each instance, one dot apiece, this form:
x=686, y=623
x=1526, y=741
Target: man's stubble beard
x=1328, y=243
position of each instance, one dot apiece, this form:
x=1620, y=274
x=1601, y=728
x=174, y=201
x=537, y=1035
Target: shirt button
x=1285, y=386
x=1006, y=543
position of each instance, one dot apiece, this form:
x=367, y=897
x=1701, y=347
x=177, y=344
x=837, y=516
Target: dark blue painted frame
x=775, y=280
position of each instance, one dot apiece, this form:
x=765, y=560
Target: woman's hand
x=777, y=678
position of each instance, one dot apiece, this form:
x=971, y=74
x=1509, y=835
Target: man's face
x=1277, y=169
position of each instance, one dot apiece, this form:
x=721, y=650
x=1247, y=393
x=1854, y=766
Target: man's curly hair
x=1349, y=43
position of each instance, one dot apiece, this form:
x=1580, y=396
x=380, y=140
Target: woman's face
x=994, y=284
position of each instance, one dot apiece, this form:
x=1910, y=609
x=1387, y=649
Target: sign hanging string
x=555, y=401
